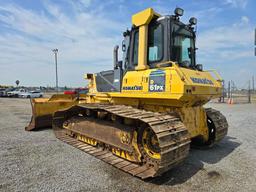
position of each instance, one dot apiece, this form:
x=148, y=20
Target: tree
x=17, y=82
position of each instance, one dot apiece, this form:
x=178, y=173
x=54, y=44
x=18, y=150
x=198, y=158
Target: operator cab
x=168, y=40
x=152, y=43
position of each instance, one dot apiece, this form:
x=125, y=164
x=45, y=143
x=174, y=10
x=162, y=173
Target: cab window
x=135, y=48
x=155, y=42
x=183, y=49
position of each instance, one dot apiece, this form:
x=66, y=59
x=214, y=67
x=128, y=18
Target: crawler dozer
x=142, y=116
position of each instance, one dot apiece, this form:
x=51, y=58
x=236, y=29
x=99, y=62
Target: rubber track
x=220, y=123
x=173, y=137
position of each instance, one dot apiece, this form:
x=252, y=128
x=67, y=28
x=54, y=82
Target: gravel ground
x=37, y=161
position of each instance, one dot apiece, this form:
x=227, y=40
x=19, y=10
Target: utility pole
x=249, y=92
x=55, y=51
x=223, y=91
x=253, y=84
x=229, y=89
x=254, y=55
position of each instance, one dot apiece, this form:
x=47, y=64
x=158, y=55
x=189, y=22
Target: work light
x=178, y=12
x=193, y=21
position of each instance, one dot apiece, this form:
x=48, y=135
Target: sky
x=85, y=32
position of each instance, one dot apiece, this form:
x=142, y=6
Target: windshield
x=183, y=47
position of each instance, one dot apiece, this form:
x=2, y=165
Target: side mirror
x=199, y=67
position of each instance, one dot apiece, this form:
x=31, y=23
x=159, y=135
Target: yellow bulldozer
x=142, y=115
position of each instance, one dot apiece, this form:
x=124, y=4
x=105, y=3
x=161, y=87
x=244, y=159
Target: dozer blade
x=44, y=108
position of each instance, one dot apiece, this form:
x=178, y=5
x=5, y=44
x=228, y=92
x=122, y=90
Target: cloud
x=236, y=3
x=80, y=5
x=86, y=3
x=86, y=31
x=244, y=21
x=228, y=49
x=85, y=41
x=228, y=43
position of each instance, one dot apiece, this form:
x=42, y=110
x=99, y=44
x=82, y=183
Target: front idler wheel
x=149, y=147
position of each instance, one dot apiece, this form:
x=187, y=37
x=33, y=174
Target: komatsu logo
x=201, y=81
x=134, y=88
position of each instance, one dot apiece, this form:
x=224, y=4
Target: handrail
x=180, y=72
